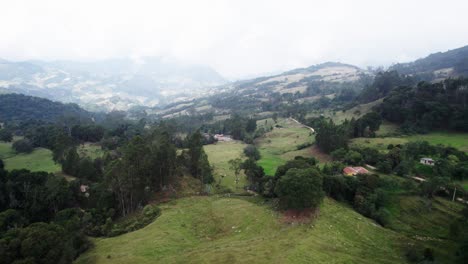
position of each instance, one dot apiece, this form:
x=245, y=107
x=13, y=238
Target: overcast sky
x=237, y=38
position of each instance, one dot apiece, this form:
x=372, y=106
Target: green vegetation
x=277, y=146
x=40, y=159
x=18, y=107
x=231, y=230
x=464, y=184
x=90, y=150
x=380, y=144
x=339, y=116
x=300, y=189
x=387, y=129
x=452, y=139
x=428, y=221
x=428, y=106
x=6, y=150
x=219, y=155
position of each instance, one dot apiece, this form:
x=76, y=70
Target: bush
x=23, y=146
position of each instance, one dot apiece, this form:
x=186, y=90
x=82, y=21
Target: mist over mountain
x=112, y=84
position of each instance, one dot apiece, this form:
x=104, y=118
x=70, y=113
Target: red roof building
x=351, y=171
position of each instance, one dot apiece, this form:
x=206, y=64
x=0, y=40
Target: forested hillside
x=428, y=106
x=451, y=63
x=18, y=107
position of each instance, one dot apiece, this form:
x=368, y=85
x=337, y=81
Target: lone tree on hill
x=300, y=189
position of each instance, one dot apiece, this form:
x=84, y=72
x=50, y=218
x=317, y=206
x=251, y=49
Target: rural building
x=351, y=171
x=222, y=137
x=84, y=188
x=427, y=161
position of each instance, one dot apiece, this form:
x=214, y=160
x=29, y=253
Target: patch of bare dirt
x=320, y=155
x=303, y=216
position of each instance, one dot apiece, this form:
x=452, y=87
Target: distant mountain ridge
x=440, y=65
x=109, y=84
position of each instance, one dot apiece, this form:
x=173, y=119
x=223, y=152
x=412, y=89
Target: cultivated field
x=233, y=230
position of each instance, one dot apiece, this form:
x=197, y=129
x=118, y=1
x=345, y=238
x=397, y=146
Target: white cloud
x=236, y=37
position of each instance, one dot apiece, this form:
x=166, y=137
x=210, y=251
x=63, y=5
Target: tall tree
x=300, y=189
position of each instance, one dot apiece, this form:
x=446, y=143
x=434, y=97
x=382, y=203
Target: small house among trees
x=427, y=161
x=222, y=137
x=352, y=171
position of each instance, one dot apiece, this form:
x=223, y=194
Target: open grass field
x=280, y=145
x=456, y=140
x=377, y=143
x=219, y=155
x=232, y=230
x=38, y=160
x=90, y=150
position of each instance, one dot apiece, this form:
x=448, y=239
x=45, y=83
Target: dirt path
x=311, y=129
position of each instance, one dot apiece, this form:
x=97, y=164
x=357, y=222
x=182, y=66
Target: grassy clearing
x=377, y=143
x=90, y=150
x=38, y=160
x=231, y=230
x=456, y=140
x=219, y=155
x=280, y=144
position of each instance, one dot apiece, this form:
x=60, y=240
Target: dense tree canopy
x=300, y=189
x=429, y=106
